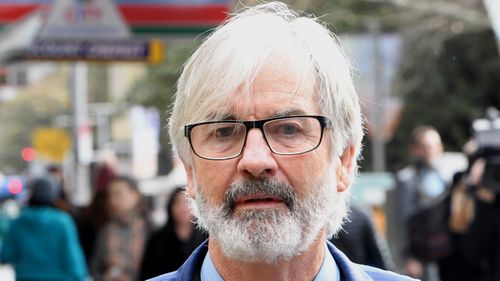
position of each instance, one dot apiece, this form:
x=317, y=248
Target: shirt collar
x=329, y=271
x=208, y=270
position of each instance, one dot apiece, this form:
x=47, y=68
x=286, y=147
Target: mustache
x=258, y=186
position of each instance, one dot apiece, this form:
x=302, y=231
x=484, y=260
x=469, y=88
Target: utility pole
x=378, y=108
x=82, y=137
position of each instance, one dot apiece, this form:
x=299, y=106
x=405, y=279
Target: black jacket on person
x=481, y=243
x=358, y=241
x=475, y=254
x=165, y=252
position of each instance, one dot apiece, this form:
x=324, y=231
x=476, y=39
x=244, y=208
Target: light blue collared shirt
x=208, y=270
x=328, y=271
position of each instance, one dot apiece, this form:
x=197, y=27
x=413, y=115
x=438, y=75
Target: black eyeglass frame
x=324, y=122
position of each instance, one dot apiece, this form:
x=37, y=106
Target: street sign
x=140, y=14
x=151, y=51
x=76, y=19
x=51, y=144
x=93, y=31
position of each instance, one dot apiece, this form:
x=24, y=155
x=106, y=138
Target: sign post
x=82, y=31
x=82, y=137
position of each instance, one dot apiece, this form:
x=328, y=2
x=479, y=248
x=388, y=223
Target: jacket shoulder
x=356, y=272
x=384, y=275
x=189, y=268
x=166, y=277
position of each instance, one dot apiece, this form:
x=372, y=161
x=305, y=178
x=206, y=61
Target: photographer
x=478, y=227
x=475, y=207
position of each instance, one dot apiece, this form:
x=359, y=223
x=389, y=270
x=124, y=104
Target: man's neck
x=301, y=267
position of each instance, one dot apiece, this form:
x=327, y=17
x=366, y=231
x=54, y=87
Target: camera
x=487, y=136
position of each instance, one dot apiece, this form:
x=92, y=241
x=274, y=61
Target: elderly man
x=268, y=126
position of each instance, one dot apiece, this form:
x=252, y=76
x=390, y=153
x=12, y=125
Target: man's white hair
x=227, y=62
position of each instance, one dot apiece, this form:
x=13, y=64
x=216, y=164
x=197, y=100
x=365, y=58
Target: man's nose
x=257, y=158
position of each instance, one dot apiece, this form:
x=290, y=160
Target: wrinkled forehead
x=277, y=87
x=276, y=90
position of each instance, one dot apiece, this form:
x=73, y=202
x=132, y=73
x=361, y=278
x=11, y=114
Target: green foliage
x=158, y=87
x=97, y=82
x=447, y=77
x=448, y=90
x=20, y=118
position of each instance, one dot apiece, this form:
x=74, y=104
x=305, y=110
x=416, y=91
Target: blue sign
x=12, y=187
x=102, y=50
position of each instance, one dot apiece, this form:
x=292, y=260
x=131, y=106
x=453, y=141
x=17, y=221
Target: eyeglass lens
x=291, y=135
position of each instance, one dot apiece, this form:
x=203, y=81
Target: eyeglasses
x=290, y=135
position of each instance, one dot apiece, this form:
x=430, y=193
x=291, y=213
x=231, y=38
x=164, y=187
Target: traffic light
x=28, y=154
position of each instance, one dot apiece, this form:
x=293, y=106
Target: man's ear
x=190, y=181
x=344, y=170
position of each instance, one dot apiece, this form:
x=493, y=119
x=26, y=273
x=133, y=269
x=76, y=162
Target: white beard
x=270, y=235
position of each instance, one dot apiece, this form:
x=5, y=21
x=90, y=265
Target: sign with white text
x=97, y=50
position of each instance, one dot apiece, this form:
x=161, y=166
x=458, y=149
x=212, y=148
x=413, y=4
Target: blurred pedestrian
x=475, y=222
x=95, y=215
x=102, y=173
x=119, y=246
x=418, y=184
x=42, y=244
x=62, y=201
x=358, y=239
x=92, y=218
x=168, y=248
x=56, y=172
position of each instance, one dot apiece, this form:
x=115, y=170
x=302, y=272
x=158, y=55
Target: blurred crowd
x=448, y=228
x=110, y=239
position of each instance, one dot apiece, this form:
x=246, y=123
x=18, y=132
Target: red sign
x=138, y=13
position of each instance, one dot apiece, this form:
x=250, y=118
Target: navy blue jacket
x=351, y=271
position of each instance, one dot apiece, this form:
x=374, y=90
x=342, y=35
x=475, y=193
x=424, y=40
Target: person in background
x=168, y=248
x=101, y=174
x=119, y=246
x=475, y=222
x=62, y=201
x=92, y=219
x=268, y=125
x=56, y=172
x=418, y=184
x=42, y=244
x=94, y=215
x=358, y=239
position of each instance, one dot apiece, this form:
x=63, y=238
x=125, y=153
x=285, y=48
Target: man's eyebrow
x=288, y=112
x=228, y=117
x=282, y=113
x=221, y=117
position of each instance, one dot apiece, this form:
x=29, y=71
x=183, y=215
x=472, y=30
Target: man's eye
x=288, y=129
x=224, y=132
